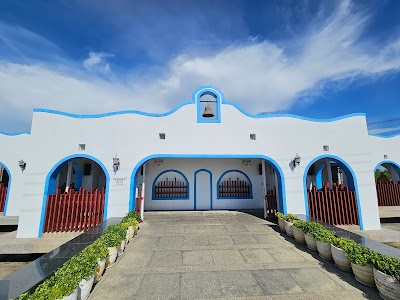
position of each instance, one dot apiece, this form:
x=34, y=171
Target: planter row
x=365, y=272
x=104, y=258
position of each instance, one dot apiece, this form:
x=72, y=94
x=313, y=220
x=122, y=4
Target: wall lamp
x=22, y=165
x=296, y=160
x=116, y=163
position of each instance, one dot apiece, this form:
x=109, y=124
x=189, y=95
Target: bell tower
x=208, y=101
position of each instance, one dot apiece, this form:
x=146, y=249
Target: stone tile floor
x=222, y=255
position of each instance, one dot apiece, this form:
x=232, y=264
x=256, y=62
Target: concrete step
x=8, y=220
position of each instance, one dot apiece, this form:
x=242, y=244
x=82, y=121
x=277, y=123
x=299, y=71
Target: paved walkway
x=222, y=254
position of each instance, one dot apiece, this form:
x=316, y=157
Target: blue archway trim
x=343, y=165
x=195, y=186
x=14, y=133
x=235, y=171
x=47, y=187
x=8, y=188
x=395, y=165
x=318, y=178
x=389, y=136
x=166, y=198
x=275, y=165
x=208, y=91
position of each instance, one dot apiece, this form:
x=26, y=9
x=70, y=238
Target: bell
x=208, y=113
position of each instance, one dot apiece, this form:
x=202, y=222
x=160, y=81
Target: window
x=252, y=136
x=162, y=136
x=170, y=185
x=234, y=184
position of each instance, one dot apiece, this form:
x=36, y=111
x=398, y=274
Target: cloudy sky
x=318, y=59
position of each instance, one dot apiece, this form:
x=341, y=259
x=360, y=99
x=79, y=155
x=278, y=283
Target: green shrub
x=290, y=217
x=343, y=243
x=323, y=235
x=299, y=224
x=131, y=221
x=360, y=255
x=310, y=227
x=134, y=215
x=113, y=235
x=280, y=215
x=388, y=265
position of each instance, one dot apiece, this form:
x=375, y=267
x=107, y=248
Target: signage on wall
x=119, y=182
x=246, y=162
x=158, y=162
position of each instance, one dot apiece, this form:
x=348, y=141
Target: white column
x=142, y=193
x=329, y=169
x=264, y=186
x=69, y=175
x=1, y=173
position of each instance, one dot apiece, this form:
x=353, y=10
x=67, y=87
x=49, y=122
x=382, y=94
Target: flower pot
x=388, y=286
x=340, y=259
x=112, y=256
x=281, y=223
x=131, y=232
x=84, y=288
x=311, y=242
x=324, y=250
x=127, y=236
x=298, y=235
x=121, y=248
x=101, y=265
x=363, y=274
x=289, y=228
x=72, y=296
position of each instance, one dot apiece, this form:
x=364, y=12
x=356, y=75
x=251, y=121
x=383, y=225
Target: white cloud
x=257, y=75
x=383, y=130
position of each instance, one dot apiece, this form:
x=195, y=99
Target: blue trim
x=195, y=186
x=78, y=175
x=345, y=167
x=231, y=171
x=219, y=96
x=15, y=133
x=318, y=178
x=275, y=165
x=384, y=136
x=48, y=185
x=155, y=181
x=395, y=165
x=8, y=188
x=53, y=177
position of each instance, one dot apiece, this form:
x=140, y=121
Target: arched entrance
x=4, y=188
x=75, y=197
x=330, y=191
x=387, y=178
x=206, y=182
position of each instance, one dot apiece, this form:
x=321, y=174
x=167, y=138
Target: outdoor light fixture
x=296, y=160
x=22, y=164
x=116, y=163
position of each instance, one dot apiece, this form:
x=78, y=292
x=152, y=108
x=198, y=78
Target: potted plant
x=281, y=220
x=112, y=238
x=127, y=235
x=298, y=232
x=323, y=238
x=387, y=276
x=308, y=228
x=133, y=225
x=361, y=263
x=338, y=248
x=134, y=215
x=101, y=251
x=289, y=224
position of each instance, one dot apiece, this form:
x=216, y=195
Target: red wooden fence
x=388, y=193
x=271, y=204
x=170, y=189
x=231, y=188
x=3, y=194
x=336, y=206
x=74, y=211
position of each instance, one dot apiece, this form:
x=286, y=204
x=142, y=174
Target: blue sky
x=318, y=59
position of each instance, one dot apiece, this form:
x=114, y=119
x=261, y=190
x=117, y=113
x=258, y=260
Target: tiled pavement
x=222, y=254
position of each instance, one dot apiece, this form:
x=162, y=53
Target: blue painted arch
x=53, y=177
x=49, y=181
x=320, y=168
x=169, y=171
x=235, y=171
x=395, y=165
x=274, y=164
x=195, y=186
x=350, y=175
x=8, y=187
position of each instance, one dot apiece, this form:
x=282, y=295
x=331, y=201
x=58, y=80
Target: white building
x=132, y=153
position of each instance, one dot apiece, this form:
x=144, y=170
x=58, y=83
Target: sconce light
x=116, y=163
x=22, y=164
x=296, y=160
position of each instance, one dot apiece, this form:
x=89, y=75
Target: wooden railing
x=170, y=189
x=74, y=211
x=388, y=193
x=270, y=204
x=3, y=195
x=336, y=206
x=234, y=189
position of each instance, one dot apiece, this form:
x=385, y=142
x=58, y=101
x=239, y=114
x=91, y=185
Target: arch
x=214, y=92
x=349, y=174
x=274, y=164
x=248, y=180
x=49, y=182
x=167, y=171
x=393, y=164
x=8, y=187
x=195, y=185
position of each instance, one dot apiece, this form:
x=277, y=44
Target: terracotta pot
x=72, y=296
x=84, y=288
x=131, y=232
x=311, y=242
x=112, y=256
x=340, y=259
x=324, y=250
x=121, y=248
x=281, y=223
x=364, y=274
x=101, y=265
x=388, y=286
x=299, y=235
x=289, y=228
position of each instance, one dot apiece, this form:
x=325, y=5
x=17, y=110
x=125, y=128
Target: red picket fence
x=388, y=193
x=3, y=194
x=232, y=188
x=170, y=189
x=271, y=204
x=336, y=206
x=74, y=211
